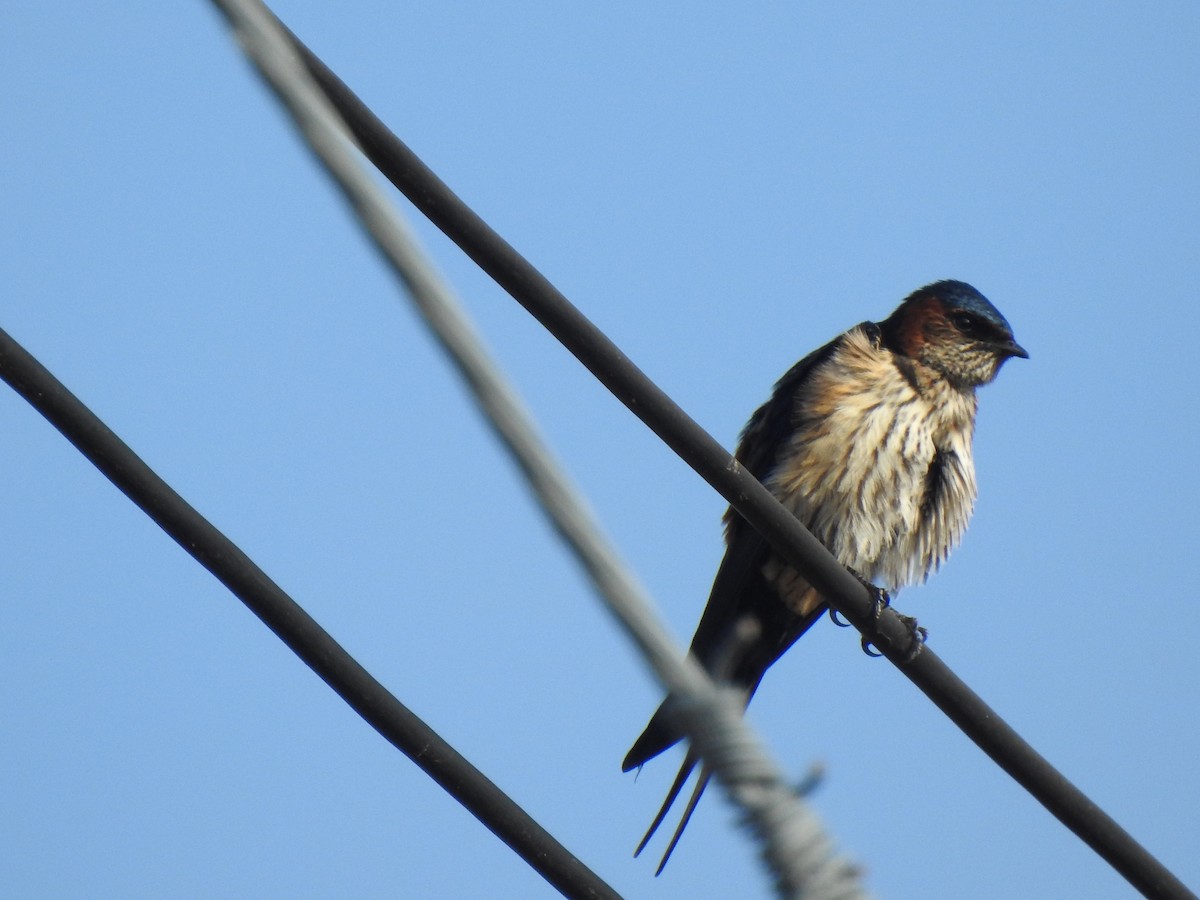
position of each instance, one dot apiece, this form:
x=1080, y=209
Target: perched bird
x=868, y=442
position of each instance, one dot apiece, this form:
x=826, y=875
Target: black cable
x=784, y=532
x=295, y=627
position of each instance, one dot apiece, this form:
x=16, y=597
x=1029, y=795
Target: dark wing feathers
x=740, y=589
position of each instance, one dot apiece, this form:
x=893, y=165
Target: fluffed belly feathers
x=879, y=468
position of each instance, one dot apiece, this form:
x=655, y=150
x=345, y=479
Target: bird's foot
x=881, y=600
x=916, y=639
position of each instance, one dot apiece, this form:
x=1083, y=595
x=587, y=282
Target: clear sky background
x=722, y=191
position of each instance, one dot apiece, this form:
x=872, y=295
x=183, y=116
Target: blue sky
x=721, y=191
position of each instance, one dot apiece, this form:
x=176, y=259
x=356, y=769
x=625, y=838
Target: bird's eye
x=967, y=324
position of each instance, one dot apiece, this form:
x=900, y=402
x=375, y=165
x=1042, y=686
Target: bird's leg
x=881, y=600
x=916, y=639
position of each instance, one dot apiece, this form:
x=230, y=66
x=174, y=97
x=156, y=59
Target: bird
x=867, y=441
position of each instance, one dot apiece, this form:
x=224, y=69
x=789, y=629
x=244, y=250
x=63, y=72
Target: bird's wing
x=740, y=590
x=741, y=593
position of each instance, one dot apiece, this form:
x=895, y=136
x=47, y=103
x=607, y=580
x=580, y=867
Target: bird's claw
x=881, y=600
x=916, y=640
x=869, y=648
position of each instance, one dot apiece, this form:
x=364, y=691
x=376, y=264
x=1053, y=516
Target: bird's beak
x=1010, y=348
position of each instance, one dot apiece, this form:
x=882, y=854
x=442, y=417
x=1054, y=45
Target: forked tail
x=685, y=771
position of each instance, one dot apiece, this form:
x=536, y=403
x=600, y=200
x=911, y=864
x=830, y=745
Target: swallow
x=867, y=441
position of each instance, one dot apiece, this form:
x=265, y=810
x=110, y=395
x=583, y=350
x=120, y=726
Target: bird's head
x=952, y=328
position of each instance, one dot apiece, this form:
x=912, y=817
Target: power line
x=295, y=627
